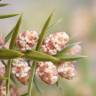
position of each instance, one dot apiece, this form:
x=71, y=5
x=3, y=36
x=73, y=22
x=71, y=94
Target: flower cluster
x=49, y=72
x=27, y=40
x=46, y=71
x=76, y=49
x=55, y=43
x=21, y=70
x=67, y=70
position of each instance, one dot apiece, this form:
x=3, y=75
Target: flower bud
x=67, y=70
x=47, y=72
x=75, y=50
x=55, y=42
x=21, y=70
x=27, y=40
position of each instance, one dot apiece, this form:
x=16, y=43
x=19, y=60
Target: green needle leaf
x=15, y=33
x=26, y=94
x=43, y=31
x=37, y=86
x=3, y=4
x=9, y=35
x=9, y=54
x=55, y=23
x=71, y=57
x=7, y=16
x=41, y=38
x=39, y=56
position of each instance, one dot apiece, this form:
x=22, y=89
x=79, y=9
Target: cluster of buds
x=1, y=42
x=27, y=40
x=55, y=43
x=67, y=70
x=2, y=70
x=21, y=70
x=13, y=91
x=76, y=49
x=49, y=72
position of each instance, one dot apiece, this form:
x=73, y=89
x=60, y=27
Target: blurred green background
x=78, y=18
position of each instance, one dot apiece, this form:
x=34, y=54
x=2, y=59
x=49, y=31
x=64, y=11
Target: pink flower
x=75, y=50
x=67, y=70
x=21, y=69
x=55, y=43
x=27, y=40
x=47, y=72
